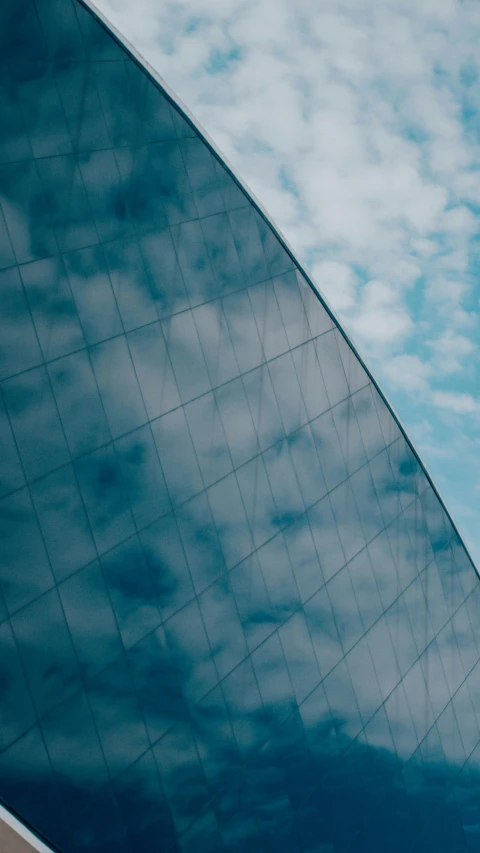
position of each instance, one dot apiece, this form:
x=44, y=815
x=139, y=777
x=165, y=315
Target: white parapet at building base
x=16, y=838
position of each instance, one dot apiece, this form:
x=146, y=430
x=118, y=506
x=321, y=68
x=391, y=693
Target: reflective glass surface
x=234, y=614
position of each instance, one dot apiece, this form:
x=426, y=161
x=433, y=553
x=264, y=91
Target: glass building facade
x=234, y=613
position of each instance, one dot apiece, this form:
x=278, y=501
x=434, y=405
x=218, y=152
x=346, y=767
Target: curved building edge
x=156, y=78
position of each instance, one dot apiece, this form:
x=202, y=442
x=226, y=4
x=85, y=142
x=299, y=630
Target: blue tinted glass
x=177, y=456
x=93, y=294
x=79, y=403
x=118, y=386
x=30, y=396
x=117, y=716
x=24, y=568
x=105, y=496
x=216, y=343
x=158, y=683
x=223, y=626
x=18, y=714
x=208, y=437
x=165, y=556
x=81, y=770
x=200, y=541
x=47, y=652
x=234, y=613
x=186, y=355
x=19, y=348
x=52, y=306
x=62, y=515
x=131, y=591
x=188, y=641
x=11, y=474
x=143, y=476
x=94, y=650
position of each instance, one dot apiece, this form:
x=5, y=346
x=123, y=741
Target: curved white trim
x=22, y=831
x=177, y=102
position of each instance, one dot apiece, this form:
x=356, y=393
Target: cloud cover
x=356, y=124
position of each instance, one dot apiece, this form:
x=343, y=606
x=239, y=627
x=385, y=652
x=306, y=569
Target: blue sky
x=356, y=124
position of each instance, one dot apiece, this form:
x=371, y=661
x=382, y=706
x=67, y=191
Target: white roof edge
x=156, y=77
x=21, y=830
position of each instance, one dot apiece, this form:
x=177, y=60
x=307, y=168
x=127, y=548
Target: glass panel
x=329, y=451
x=163, y=550
x=288, y=393
x=303, y=557
x=93, y=294
x=177, y=456
x=258, y=501
x=181, y=774
x=243, y=331
x=223, y=627
x=25, y=770
x=326, y=538
x=97, y=648
x=24, y=568
x=200, y=542
x=104, y=493
x=223, y=254
x=131, y=591
x=191, y=652
x=153, y=369
x=292, y=309
x=273, y=679
x=52, y=306
x=118, y=386
x=284, y=483
x=248, y=244
x=311, y=380
x=46, y=650
x=300, y=656
x=208, y=438
x=186, y=355
x=216, y=344
x=22, y=193
x=345, y=609
x=11, y=473
x=157, y=683
x=117, y=716
x=331, y=367
x=231, y=521
x=79, y=403
x=252, y=600
x=268, y=319
x=263, y=406
x=75, y=753
x=279, y=578
x=309, y=473
x=19, y=347
x=237, y=422
x=61, y=514
x=142, y=476
x=29, y=399
x=194, y=261
x=18, y=714
x=143, y=805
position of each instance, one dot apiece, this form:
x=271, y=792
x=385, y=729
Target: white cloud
x=450, y=351
x=458, y=403
x=338, y=282
x=408, y=372
x=380, y=319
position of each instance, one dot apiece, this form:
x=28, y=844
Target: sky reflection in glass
x=233, y=612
